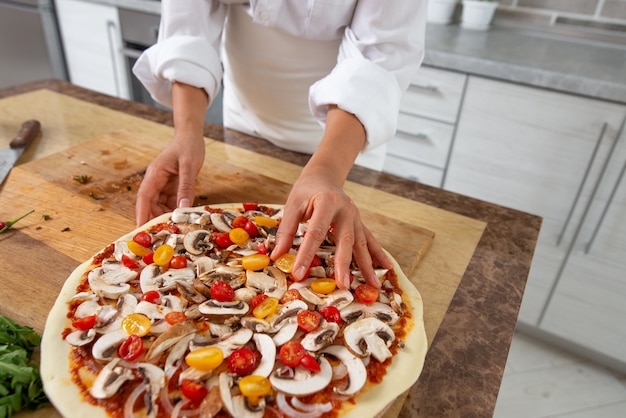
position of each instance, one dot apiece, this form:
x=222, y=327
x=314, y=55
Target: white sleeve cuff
x=186, y=59
x=360, y=87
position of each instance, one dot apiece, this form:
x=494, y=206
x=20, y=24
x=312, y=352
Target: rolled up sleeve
x=380, y=52
x=187, y=50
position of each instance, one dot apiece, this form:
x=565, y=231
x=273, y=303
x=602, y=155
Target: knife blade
x=8, y=156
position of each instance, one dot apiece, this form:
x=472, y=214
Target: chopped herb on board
x=20, y=382
x=6, y=225
x=82, y=179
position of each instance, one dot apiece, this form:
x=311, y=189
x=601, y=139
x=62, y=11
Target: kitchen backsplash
x=609, y=14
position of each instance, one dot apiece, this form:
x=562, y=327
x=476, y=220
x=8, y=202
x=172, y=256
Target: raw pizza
x=187, y=316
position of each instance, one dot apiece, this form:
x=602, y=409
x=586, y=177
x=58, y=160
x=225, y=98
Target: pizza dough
x=404, y=370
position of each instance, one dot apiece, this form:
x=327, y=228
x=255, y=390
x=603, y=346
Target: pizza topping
x=215, y=317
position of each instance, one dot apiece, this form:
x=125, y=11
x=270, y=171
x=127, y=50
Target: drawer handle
x=419, y=135
x=426, y=86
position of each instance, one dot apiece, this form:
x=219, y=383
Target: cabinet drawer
x=434, y=94
x=413, y=171
x=421, y=140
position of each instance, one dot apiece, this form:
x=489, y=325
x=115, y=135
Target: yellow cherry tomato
x=238, y=236
x=138, y=249
x=136, y=324
x=253, y=387
x=323, y=285
x=163, y=255
x=265, y=221
x=267, y=307
x=285, y=262
x=206, y=358
x=255, y=261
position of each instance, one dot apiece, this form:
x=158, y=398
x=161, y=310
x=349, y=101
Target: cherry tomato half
x=129, y=262
x=267, y=307
x=262, y=248
x=242, y=361
x=205, y=358
x=331, y=314
x=163, y=255
x=253, y=387
x=238, y=236
x=291, y=353
x=290, y=295
x=308, y=320
x=136, y=324
x=265, y=221
x=193, y=390
x=85, y=323
x=223, y=240
x=239, y=222
x=131, y=348
x=222, y=291
x=256, y=301
x=152, y=296
x=148, y=258
x=285, y=262
x=255, y=262
x=323, y=285
x=309, y=363
x=143, y=238
x=251, y=228
x=178, y=262
x=366, y=293
x=250, y=206
x=175, y=317
x=138, y=249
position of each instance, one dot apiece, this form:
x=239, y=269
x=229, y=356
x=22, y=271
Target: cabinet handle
x=419, y=135
x=610, y=199
x=426, y=86
x=582, y=184
x=111, y=31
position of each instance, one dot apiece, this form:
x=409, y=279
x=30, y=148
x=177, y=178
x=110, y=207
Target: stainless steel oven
x=139, y=31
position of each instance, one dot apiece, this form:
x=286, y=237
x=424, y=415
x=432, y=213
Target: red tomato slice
x=175, y=317
x=290, y=295
x=129, y=262
x=148, y=258
x=291, y=353
x=366, y=293
x=85, y=323
x=242, y=361
x=309, y=363
x=222, y=291
x=308, y=320
x=239, y=222
x=223, y=240
x=193, y=390
x=257, y=300
x=262, y=248
x=178, y=262
x=251, y=228
x=331, y=314
x=143, y=238
x=131, y=348
x=317, y=261
x=250, y=206
x=152, y=296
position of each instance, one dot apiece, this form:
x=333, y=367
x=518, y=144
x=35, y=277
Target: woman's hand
x=171, y=177
x=318, y=197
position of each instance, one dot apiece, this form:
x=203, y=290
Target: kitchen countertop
x=469, y=345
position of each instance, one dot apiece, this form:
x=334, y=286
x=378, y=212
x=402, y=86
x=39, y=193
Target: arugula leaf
x=20, y=382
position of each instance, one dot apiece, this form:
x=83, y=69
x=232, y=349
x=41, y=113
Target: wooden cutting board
x=84, y=199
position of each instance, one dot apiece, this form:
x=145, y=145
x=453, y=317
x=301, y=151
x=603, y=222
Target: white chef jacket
x=283, y=62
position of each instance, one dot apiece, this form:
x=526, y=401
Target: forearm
x=344, y=137
x=189, y=107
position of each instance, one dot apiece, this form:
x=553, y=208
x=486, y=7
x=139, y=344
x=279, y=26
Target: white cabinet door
x=588, y=305
x=536, y=151
x=92, y=43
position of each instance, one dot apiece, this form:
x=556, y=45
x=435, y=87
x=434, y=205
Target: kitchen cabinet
x=92, y=43
x=426, y=123
x=561, y=157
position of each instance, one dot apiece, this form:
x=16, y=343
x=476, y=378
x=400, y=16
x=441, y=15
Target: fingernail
x=299, y=273
x=184, y=203
x=346, y=281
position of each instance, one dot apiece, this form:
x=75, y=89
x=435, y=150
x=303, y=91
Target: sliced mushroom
x=339, y=298
x=213, y=307
x=357, y=373
x=189, y=292
x=227, y=344
x=376, y=310
x=255, y=324
x=224, y=221
x=169, y=338
x=88, y=308
x=177, y=352
x=79, y=337
x=289, y=309
x=204, y=265
x=243, y=408
x=109, y=380
x=369, y=336
x=321, y=337
x=271, y=281
x=246, y=294
x=105, y=347
x=267, y=348
x=154, y=377
x=303, y=382
x=105, y=289
x=198, y=242
x=193, y=215
x=287, y=331
x=225, y=384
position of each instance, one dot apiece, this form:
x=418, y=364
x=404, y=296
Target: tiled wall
x=600, y=11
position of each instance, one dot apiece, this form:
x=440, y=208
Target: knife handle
x=27, y=133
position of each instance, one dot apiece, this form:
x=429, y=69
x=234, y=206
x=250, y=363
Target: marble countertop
x=467, y=355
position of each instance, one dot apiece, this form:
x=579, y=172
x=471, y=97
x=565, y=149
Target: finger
x=186, y=187
x=344, y=241
x=362, y=256
x=145, y=202
x=293, y=214
x=316, y=232
x=376, y=251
